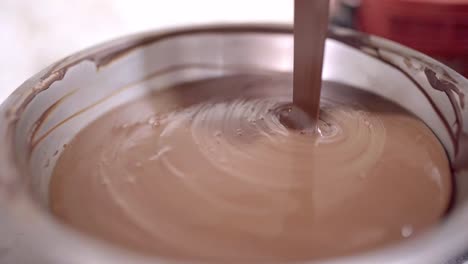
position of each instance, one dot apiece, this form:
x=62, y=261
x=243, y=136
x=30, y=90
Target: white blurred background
x=35, y=33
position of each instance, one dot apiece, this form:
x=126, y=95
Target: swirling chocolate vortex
x=206, y=171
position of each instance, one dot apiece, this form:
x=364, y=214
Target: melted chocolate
x=206, y=171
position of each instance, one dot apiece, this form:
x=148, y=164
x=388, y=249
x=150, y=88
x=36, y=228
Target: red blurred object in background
x=438, y=28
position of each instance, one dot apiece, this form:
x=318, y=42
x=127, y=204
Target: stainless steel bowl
x=45, y=113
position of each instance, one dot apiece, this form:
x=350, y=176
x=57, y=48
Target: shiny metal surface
x=38, y=120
